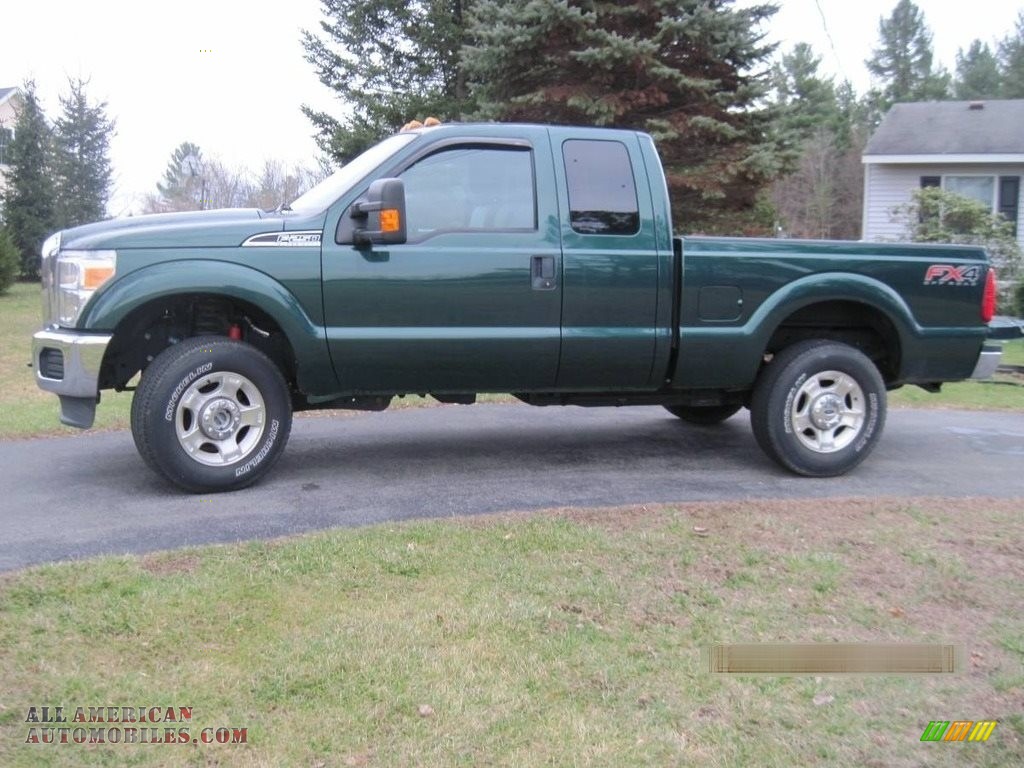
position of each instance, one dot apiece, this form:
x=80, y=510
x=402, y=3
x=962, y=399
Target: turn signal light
x=390, y=220
x=988, y=298
x=94, y=277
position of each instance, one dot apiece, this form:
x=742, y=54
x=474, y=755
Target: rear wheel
x=705, y=415
x=818, y=408
x=211, y=414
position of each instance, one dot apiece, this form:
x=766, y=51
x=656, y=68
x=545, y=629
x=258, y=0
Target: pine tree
x=822, y=196
x=690, y=72
x=82, y=158
x=30, y=197
x=977, y=73
x=10, y=261
x=805, y=100
x=1011, y=62
x=903, y=61
x=182, y=186
x=853, y=117
x=388, y=61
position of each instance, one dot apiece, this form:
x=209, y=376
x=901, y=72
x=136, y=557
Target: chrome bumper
x=67, y=363
x=988, y=361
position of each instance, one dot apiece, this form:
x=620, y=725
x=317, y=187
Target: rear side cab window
x=471, y=189
x=602, y=190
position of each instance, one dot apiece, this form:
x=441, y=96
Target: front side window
x=602, y=192
x=470, y=189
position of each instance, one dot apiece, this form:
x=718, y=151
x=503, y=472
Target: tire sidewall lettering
x=869, y=429
x=265, y=449
x=787, y=418
x=172, y=403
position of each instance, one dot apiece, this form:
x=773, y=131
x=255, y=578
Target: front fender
x=167, y=279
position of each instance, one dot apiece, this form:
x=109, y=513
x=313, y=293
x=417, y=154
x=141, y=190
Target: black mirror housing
x=382, y=212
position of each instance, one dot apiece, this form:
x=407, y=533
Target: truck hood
x=223, y=228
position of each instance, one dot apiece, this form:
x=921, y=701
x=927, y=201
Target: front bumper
x=67, y=363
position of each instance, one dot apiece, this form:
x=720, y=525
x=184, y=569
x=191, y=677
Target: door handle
x=542, y=273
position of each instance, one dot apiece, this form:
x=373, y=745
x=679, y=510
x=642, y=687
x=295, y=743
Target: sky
x=230, y=75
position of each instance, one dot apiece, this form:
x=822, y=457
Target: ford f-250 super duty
x=460, y=259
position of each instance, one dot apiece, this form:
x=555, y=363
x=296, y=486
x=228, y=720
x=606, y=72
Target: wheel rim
x=828, y=411
x=220, y=419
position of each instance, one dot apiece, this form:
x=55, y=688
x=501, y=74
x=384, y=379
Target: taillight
x=988, y=299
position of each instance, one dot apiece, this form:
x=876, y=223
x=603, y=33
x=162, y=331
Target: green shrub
x=939, y=216
x=9, y=259
x=1018, y=300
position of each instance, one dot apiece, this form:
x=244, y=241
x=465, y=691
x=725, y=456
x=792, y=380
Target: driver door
x=472, y=301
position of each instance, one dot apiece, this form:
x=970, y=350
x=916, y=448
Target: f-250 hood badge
x=284, y=239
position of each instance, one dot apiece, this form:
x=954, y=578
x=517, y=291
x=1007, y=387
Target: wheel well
x=859, y=325
x=149, y=329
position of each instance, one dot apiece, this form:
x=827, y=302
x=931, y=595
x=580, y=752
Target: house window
x=6, y=134
x=1000, y=194
x=980, y=188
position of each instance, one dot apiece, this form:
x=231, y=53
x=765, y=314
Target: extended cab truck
x=461, y=259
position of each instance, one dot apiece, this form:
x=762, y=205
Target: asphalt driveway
x=73, y=497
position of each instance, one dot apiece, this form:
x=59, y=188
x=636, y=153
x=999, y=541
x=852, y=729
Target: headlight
x=78, y=275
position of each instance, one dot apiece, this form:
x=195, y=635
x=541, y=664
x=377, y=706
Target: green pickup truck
x=460, y=259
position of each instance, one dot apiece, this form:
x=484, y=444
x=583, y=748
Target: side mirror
x=381, y=214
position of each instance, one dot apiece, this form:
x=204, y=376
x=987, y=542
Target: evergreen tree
x=805, y=100
x=977, y=73
x=30, y=197
x=182, y=186
x=903, y=61
x=690, y=72
x=388, y=61
x=853, y=117
x=822, y=197
x=82, y=158
x=10, y=261
x=1011, y=62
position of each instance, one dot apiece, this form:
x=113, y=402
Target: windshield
x=338, y=183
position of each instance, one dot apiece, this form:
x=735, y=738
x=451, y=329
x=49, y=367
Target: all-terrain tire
x=211, y=414
x=818, y=408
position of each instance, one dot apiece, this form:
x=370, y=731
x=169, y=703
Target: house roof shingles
x=5, y=92
x=951, y=128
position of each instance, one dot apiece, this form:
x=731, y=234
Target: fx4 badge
x=948, y=274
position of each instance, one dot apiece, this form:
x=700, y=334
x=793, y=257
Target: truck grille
x=51, y=364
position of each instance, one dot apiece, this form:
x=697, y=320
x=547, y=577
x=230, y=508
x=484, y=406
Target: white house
x=975, y=148
x=10, y=101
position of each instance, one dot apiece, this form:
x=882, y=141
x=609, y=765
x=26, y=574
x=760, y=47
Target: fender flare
x=174, y=278
x=834, y=286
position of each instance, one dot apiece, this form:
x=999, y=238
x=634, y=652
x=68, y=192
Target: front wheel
x=818, y=408
x=211, y=414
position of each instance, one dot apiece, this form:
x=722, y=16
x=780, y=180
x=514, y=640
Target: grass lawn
x=26, y=411
x=567, y=638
